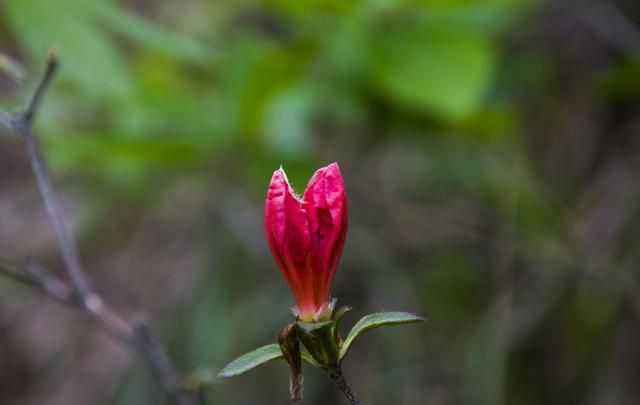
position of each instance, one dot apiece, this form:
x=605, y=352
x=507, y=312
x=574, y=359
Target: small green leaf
x=251, y=360
x=317, y=338
x=306, y=356
x=336, y=322
x=340, y=313
x=437, y=69
x=376, y=320
x=148, y=33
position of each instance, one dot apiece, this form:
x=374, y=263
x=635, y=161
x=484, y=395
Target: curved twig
x=136, y=336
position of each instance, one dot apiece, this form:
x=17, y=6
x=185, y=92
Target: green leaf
x=251, y=360
x=340, y=313
x=438, y=70
x=151, y=34
x=258, y=357
x=318, y=339
x=247, y=96
x=88, y=54
x=306, y=356
x=336, y=322
x=376, y=320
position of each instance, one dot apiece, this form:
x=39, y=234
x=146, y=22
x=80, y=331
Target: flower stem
x=338, y=378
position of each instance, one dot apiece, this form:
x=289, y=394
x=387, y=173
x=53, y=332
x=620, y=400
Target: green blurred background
x=491, y=154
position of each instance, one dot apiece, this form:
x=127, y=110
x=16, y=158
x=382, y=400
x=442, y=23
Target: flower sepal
x=320, y=341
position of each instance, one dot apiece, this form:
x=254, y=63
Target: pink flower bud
x=306, y=236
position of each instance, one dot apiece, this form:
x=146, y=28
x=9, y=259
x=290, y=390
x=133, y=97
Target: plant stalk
x=338, y=378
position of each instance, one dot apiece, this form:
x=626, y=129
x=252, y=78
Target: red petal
x=326, y=203
x=307, y=236
x=288, y=235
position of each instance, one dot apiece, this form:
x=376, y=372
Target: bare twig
x=5, y=119
x=22, y=126
x=67, y=245
x=135, y=336
x=34, y=103
x=32, y=274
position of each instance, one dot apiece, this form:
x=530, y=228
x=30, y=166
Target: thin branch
x=34, y=103
x=32, y=274
x=22, y=126
x=5, y=119
x=338, y=378
x=157, y=357
x=67, y=245
x=135, y=336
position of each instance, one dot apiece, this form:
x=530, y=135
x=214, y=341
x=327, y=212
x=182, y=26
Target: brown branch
x=22, y=126
x=135, y=336
x=32, y=274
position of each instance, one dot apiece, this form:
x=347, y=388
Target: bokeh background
x=491, y=154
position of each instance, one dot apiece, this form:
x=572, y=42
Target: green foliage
x=322, y=345
x=337, y=320
x=149, y=34
x=320, y=341
x=437, y=69
x=251, y=360
x=258, y=357
x=324, y=61
x=373, y=321
x=90, y=57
